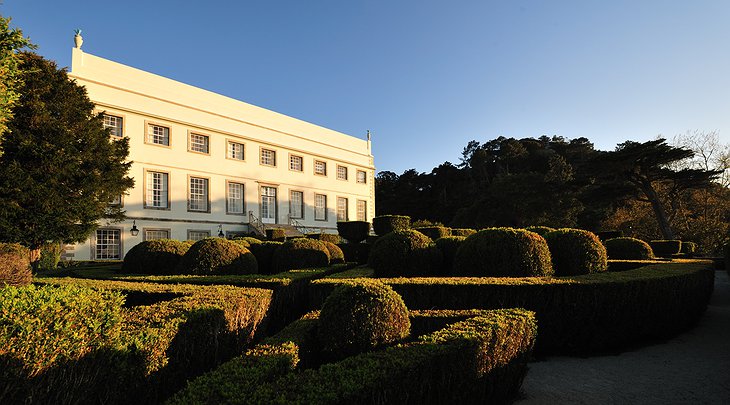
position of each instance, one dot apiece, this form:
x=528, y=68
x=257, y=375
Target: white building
x=204, y=163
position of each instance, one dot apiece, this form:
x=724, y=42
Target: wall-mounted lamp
x=134, y=231
x=220, y=232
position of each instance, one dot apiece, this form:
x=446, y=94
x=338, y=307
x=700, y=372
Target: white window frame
x=198, y=143
x=164, y=233
x=293, y=205
x=150, y=190
x=151, y=138
x=341, y=172
x=230, y=200
x=267, y=157
x=118, y=247
x=320, y=210
x=362, y=210
x=195, y=196
x=203, y=233
x=361, y=177
x=323, y=165
x=230, y=152
x=296, y=163
x=115, y=123
x=342, y=214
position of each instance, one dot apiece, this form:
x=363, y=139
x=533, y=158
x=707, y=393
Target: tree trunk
x=35, y=258
x=656, y=205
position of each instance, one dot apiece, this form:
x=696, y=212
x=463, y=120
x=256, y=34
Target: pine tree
x=11, y=40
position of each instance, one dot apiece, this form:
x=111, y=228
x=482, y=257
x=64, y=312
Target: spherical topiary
x=462, y=232
x=276, y=234
x=15, y=267
x=326, y=237
x=386, y=224
x=434, y=232
x=448, y=245
x=540, y=230
x=575, y=252
x=157, y=257
x=503, y=252
x=625, y=248
x=264, y=253
x=248, y=240
x=665, y=248
x=362, y=315
x=405, y=253
x=336, y=254
x=353, y=231
x=217, y=256
x=300, y=254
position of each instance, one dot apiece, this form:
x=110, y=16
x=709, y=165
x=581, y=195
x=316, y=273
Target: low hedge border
x=579, y=314
x=480, y=359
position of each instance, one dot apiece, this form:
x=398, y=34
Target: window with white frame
x=155, y=234
x=198, y=194
x=296, y=204
x=199, y=143
x=107, y=244
x=362, y=177
x=268, y=157
x=156, y=190
x=116, y=201
x=341, y=172
x=157, y=134
x=234, y=198
x=115, y=125
x=296, y=163
x=320, y=207
x=235, y=150
x=341, y=209
x=197, y=235
x=320, y=167
x=362, y=210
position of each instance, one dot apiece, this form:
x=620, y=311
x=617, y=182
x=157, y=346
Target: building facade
x=205, y=164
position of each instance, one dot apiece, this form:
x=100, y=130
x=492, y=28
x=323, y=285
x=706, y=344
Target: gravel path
x=692, y=368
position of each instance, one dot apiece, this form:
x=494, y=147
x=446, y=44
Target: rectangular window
x=108, y=244
x=296, y=204
x=235, y=151
x=156, y=190
x=296, y=163
x=362, y=177
x=320, y=207
x=115, y=125
x=341, y=209
x=268, y=157
x=320, y=167
x=155, y=234
x=362, y=210
x=157, y=134
x=341, y=172
x=198, y=194
x=234, y=198
x=116, y=201
x=199, y=143
x=197, y=235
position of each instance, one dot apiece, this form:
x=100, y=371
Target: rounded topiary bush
x=503, y=252
x=353, y=231
x=689, y=248
x=462, y=232
x=300, y=254
x=157, y=257
x=248, y=239
x=625, y=248
x=336, y=254
x=326, y=237
x=355, y=252
x=665, y=248
x=540, y=230
x=448, y=245
x=434, y=232
x=575, y=252
x=606, y=235
x=362, y=315
x=276, y=234
x=405, y=253
x=217, y=256
x=264, y=253
x=15, y=267
x=386, y=224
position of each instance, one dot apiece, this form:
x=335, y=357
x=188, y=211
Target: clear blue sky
x=425, y=76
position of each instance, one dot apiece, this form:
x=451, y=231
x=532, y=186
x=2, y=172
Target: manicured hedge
x=326, y=237
x=540, y=230
x=154, y=257
x=689, y=248
x=264, y=253
x=386, y=224
x=579, y=314
x=301, y=254
x=217, y=256
x=434, y=232
x=666, y=248
x=405, y=253
x=505, y=252
x=448, y=245
x=606, y=235
x=628, y=249
x=336, y=254
x=14, y=265
x=276, y=234
x=353, y=231
x=575, y=252
x=355, y=252
x=462, y=232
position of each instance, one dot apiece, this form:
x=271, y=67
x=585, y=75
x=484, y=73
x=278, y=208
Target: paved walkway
x=693, y=368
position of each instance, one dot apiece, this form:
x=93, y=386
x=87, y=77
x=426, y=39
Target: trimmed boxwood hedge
x=15, y=267
x=606, y=235
x=434, y=232
x=264, y=253
x=301, y=253
x=326, y=237
x=505, y=252
x=385, y=224
x=276, y=234
x=217, y=256
x=462, y=232
x=666, y=248
x=355, y=252
x=540, y=230
x=353, y=231
x=575, y=252
x=689, y=248
x=625, y=248
x=448, y=245
x=405, y=253
x=336, y=254
x=155, y=257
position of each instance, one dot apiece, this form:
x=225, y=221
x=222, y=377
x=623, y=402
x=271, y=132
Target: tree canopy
x=11, y=41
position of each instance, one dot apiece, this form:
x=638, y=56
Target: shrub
x=300, y=254
x=326, y=237
x=503, y=252
x=628, y=249
x=50, y=256
x=385, y=224
x=448, y=245
x=355, y=252
x=336, y=255
x=250, y=239
x=353, y=231
x=606, y=235
x=540, y=230
x=360, y=316
x=276, y=234
x=462, y=232
x=15, y=267
x=405, y=253
x=155, y=257
x=689, y=248
x=575, y=252
x=264, y=253
x=434, y=232
x=217, y=256
x=421, y=223
x=665, y=248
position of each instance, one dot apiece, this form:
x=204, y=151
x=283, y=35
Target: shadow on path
x=692, y=368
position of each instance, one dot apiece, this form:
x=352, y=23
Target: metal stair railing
x=255, y=224
x=301, y=228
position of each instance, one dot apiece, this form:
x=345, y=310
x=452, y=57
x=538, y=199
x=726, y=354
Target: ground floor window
x=154, y=234
x=296, y=204
x=197, y=235
x=320, y=207
x=108, y=244
x=341, y=209
x=362, y=210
